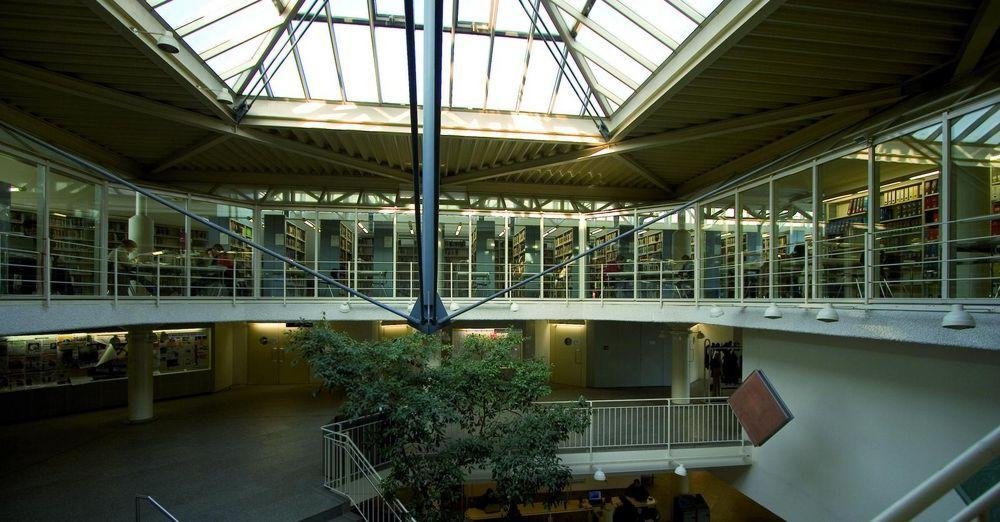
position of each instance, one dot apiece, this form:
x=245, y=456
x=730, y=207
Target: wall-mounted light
x=599, y=475
x=828, y=314
x=224, y=97
x=345, y=308
x=680, y=470
x=168, y=44
x=514, y=307
x=715, y=311
x=772, y=312
x=958, y=318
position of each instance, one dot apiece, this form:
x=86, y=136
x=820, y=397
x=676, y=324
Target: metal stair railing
x=348, y=472
x=152, y=501
x=947, y=478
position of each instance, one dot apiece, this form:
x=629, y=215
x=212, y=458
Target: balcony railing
x=894, y=264
x=354, y=451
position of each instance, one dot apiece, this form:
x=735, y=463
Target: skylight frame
x=611, y=83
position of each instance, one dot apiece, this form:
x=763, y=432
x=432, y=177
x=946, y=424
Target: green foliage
x=450, y=410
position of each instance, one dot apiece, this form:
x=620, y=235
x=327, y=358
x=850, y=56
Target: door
x=567, y=353
x=267, y=361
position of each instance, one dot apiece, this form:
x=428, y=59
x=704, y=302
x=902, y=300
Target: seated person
x=637, y=491
x=488, y=502
x=122, y=259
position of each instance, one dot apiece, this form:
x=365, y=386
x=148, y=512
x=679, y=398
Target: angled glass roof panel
x=511, y=17
x=234, y=29
x=623, y=43
x=610, y=83
x=357, y=9
x=285, y=83
x=633, y=35
x=469, y=83
x=705, y=7
x=567, y=100
x=475, y=11
x=356, y=62
x=237, y=59
x=663, y=16
x=614, y=57
x=540, y=80
x=316, y=52
x=391, y=46
x=506, y=73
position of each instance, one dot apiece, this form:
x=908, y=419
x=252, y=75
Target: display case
x=34, y=361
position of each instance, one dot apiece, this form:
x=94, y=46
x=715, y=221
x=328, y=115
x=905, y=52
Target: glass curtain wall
x=74, y=235
x=843, y=223
x=793, y=219
x=147, y=245
x=524, y=244
x=454, y=276
x=560, y=240
x=407, y=273
x=654, y=256
x=221, y=265
x=907, y=230
x=337, y=241
x=718, y=249
x=606, y=261
x=487, y=255
x=300, y=245
x=974, y=246
x=755, y=241
x=20, y=242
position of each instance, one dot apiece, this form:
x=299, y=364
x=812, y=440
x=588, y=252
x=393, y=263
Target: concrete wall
x=624, y=353
x=872, y=420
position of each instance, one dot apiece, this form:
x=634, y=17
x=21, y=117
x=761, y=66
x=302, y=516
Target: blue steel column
x=431, y=148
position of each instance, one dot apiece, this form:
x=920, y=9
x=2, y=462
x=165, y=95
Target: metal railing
x=139, y=499
x=901, y=264
x=355, y=450
x=349, y=470
x=947, y=478
x=647, y=423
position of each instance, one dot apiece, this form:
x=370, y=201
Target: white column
x=140, y=375
x=680, y=383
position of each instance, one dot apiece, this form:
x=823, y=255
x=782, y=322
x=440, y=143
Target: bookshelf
x=406, y=265
x=524, y=250
x=607, y=254
x=907, y=231
x=74, y=251
x=558, y=248
x=295, y=241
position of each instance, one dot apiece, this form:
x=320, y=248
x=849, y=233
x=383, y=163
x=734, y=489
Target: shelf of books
x=559, y=248
x=74, y=250
x=406, y=265
x=907, y=232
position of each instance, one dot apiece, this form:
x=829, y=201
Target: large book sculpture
x=759, y=409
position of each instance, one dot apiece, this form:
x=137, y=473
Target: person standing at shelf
x=221, y=259
x=124, y=256
x=611, y=271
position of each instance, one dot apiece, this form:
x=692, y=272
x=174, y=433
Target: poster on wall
x=181, y=350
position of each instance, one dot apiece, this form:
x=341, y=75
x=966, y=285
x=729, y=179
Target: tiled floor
x=251, y=453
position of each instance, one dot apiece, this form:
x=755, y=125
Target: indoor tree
x=450, y=410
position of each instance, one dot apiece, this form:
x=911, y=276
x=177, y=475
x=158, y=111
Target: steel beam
x=140, y=27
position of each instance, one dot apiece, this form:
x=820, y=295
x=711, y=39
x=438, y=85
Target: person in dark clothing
x=715, y=367
x=637, y=491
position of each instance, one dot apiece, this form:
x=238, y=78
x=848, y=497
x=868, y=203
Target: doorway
x=568, y=353
x=267, y=361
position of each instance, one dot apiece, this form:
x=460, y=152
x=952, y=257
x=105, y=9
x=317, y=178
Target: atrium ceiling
x=692, y=92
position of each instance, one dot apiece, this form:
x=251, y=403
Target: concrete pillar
x=140, y=375
x=680, y=382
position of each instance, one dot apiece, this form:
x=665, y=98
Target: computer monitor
x=594, y=497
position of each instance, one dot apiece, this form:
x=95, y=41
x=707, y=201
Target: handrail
x=947, y=478
x=394, y=509
x=155, y=504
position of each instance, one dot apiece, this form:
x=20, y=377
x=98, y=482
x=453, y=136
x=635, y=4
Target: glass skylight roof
x=355, y=50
